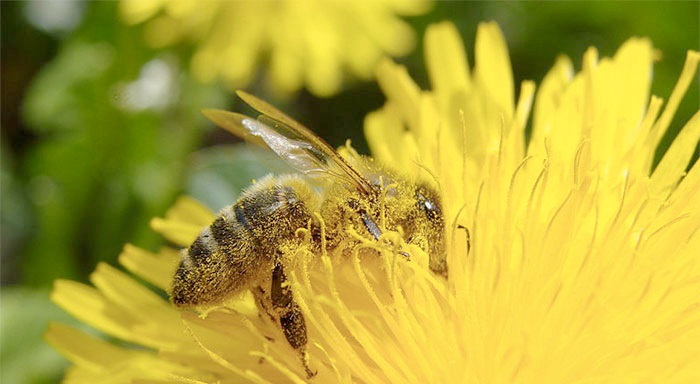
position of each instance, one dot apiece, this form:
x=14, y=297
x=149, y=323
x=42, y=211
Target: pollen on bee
x=186, y=259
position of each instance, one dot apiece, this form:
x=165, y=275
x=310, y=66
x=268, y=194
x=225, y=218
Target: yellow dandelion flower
x=311, y=43
x=570, y=260
x=582, y=264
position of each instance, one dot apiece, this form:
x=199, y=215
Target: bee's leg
x=371, y=226
x=367, y=221
x=264, y=302
x=291, y=318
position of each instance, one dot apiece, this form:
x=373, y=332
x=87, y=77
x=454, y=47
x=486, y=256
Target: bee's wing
x=298, y=145
x=299, y=154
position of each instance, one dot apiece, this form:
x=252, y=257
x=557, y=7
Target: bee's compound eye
x=430, y=207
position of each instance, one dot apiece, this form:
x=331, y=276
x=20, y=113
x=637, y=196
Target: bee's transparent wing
x=298, y=145
x=299, y=154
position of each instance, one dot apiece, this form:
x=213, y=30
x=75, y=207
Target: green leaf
x=25, y=357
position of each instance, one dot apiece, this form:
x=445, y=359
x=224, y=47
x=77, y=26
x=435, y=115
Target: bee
x=243, y=249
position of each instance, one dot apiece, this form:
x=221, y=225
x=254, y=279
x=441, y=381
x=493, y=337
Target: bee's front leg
x=290, y=316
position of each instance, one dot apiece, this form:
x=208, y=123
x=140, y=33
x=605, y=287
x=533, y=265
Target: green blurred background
x=87, y=160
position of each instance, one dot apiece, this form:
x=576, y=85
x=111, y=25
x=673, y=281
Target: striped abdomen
x=238, y=249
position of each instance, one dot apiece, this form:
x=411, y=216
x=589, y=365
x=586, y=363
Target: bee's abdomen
x=226, y=234
x=213, y=268
x=270, y=213
x=239, y=247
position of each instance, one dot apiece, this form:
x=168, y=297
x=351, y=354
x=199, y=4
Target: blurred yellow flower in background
x=315, y=44
x=570, y=259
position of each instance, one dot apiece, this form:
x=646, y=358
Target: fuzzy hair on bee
x=238, y=250
x=243, y=249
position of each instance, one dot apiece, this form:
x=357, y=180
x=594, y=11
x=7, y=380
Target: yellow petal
x=158, y=269
x=493, y=68
x=687, y=75
x=183, y=222
x=189, y=210
x=86, y=304
x=446, y=60
x=674, y=163
x=83, y=350
x=548, y=100
x=630, y=88
x=686, y=192
x=100, y=361
x=400, y=89
x=384, y=128
x=127, y=322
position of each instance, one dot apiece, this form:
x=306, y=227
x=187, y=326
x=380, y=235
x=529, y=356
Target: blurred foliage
x=25, y=358
x=96, y=172
x=216, y=183
x=92, y=148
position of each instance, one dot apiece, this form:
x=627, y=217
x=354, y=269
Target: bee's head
x=429, y=226
x=417, y=209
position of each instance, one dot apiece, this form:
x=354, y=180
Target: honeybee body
x=244, y=248
x=238, y=250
